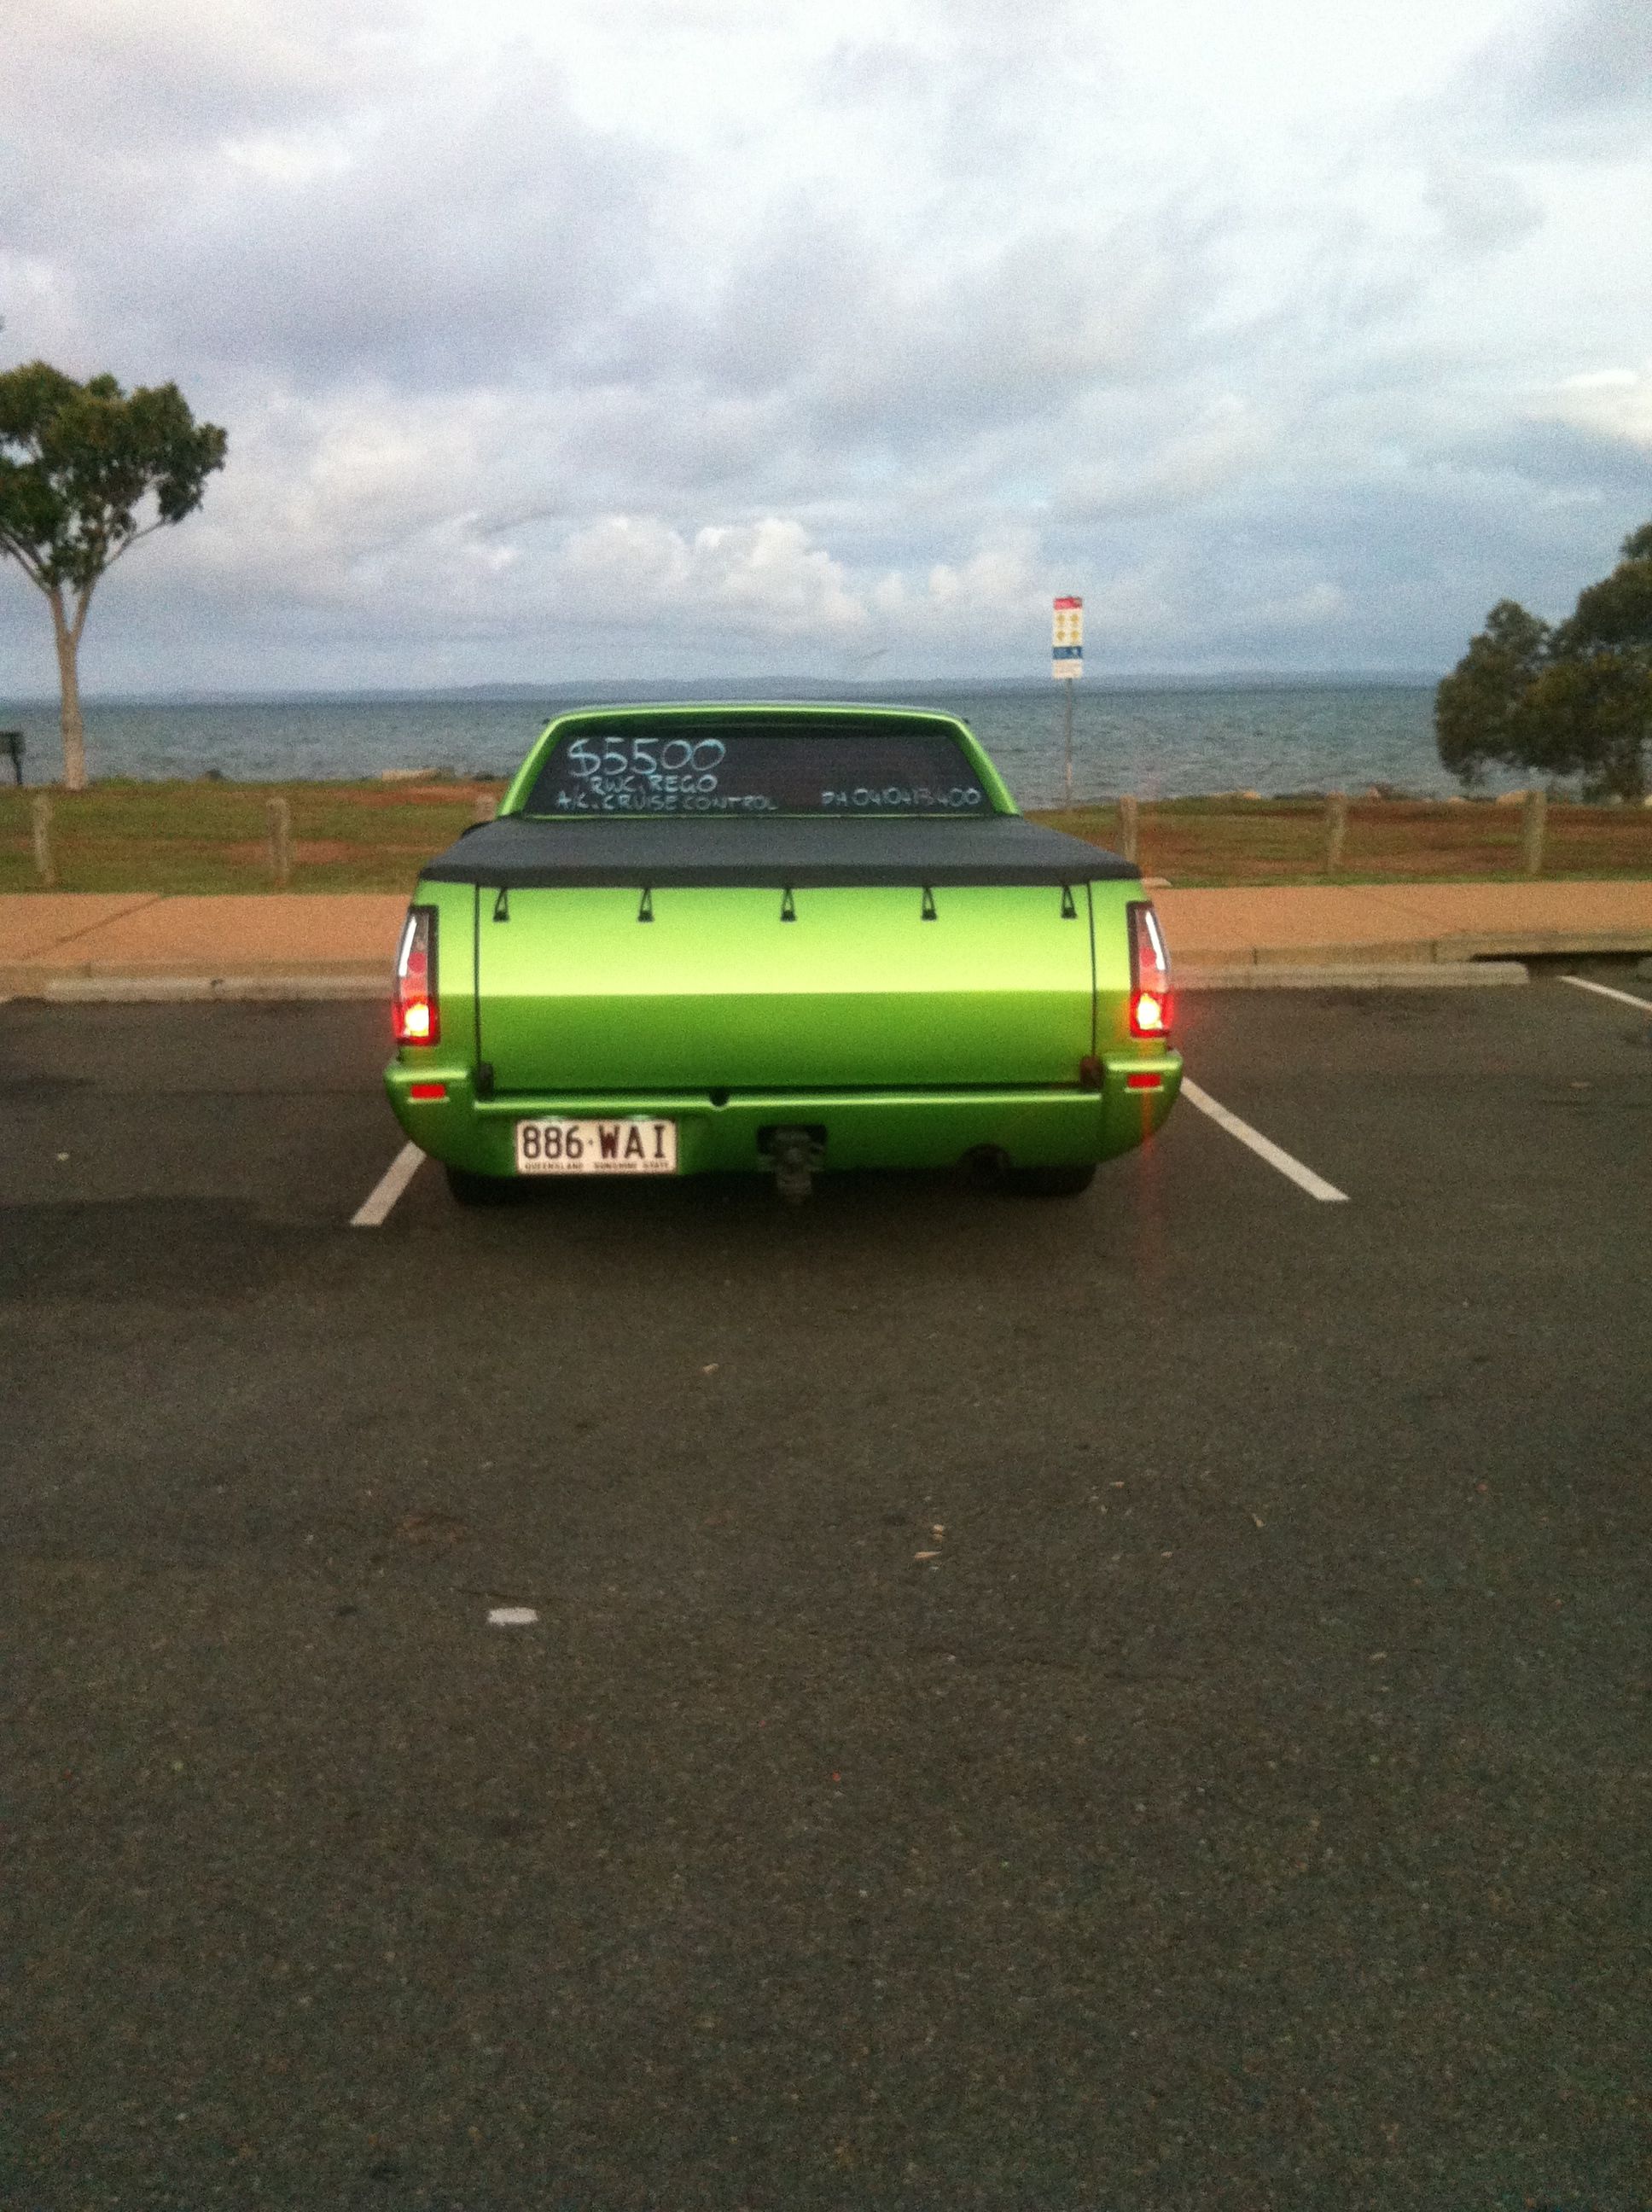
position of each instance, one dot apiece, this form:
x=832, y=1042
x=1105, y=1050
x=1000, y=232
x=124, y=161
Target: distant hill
x=563, y=691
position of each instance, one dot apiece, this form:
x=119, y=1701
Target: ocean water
x=1160, y=742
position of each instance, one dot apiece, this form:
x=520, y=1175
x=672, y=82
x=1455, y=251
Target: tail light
x=1150, y=973
x=414, y=1010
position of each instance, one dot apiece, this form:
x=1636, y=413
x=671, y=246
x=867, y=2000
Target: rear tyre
x=1049, y=1183
x=480, y=1189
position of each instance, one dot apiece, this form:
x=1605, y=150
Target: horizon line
x=512, y=687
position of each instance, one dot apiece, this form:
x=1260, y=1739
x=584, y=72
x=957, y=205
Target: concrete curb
x=372, y=984
x=172, y=990
x=1457, y=951
x=1540, y=944
x=1404, y=975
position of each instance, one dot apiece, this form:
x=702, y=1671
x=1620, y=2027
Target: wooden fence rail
x=280, y=814
x=40, y=822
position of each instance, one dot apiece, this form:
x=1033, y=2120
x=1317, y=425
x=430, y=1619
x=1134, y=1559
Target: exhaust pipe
x=796, y=1154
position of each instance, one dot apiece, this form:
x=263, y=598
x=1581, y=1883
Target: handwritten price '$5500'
x=624, y=762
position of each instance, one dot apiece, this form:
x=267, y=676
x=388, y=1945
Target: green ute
x=783, y=939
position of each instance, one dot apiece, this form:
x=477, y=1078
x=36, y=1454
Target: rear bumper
x=863, y=1129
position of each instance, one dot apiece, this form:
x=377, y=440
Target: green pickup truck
x=777, y=939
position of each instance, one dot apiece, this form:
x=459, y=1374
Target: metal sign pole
x=1067, y=666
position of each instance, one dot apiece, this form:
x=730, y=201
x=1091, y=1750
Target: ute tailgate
x=836, y=986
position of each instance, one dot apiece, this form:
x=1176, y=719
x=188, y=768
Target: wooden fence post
x=1534, y=819
x=1129, y=828
x=281, y=842
x=1336, y=831
x=45, y=866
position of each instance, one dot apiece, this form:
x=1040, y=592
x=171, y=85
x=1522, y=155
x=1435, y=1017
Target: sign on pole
x=1066, y=662
x=1067, y=640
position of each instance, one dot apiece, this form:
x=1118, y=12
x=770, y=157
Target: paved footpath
x=57, y=943
x=74, y=944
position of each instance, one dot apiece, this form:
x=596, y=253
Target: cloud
x=471, y=228
x=129, y=82
x=1612, y=406
x=843, y=327
x=1179, y=461
x=869, y=346
x=1482, y=208
x=1593, y=57
x=1573, y=78
x=765, y=579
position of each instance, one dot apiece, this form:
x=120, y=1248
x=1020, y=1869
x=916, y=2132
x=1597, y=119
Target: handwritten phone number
x=905, y=798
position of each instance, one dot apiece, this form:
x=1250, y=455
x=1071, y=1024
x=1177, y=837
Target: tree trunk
x=67, y=635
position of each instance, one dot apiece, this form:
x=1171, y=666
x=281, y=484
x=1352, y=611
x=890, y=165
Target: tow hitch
x=796, y=1154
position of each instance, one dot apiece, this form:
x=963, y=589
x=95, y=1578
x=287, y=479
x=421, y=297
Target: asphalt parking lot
x=1139, y=1702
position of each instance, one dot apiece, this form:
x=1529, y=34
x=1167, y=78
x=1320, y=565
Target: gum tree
x=1575, y=699
x=86, y=470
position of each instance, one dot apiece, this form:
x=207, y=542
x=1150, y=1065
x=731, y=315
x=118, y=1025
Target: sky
x=831, y=338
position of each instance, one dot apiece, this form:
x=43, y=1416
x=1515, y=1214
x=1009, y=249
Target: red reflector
x=440, y=1090
x=1131, y=1082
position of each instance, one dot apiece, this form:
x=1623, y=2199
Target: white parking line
x=1606, y=991
x=1264, y=1147
x=374, y=1209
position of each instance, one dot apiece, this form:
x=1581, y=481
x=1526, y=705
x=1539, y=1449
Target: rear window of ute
x=636, y=766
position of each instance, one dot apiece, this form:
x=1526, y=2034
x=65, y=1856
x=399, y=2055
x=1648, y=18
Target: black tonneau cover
x=777, y=851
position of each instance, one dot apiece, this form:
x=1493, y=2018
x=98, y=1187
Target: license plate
x=632, y=1147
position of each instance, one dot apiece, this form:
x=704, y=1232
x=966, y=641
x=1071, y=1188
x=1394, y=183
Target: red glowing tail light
x=414, y=1010
x=1150, y=973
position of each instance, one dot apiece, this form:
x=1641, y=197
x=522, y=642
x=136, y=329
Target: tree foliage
x=86, y=470
x=1573, y=699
